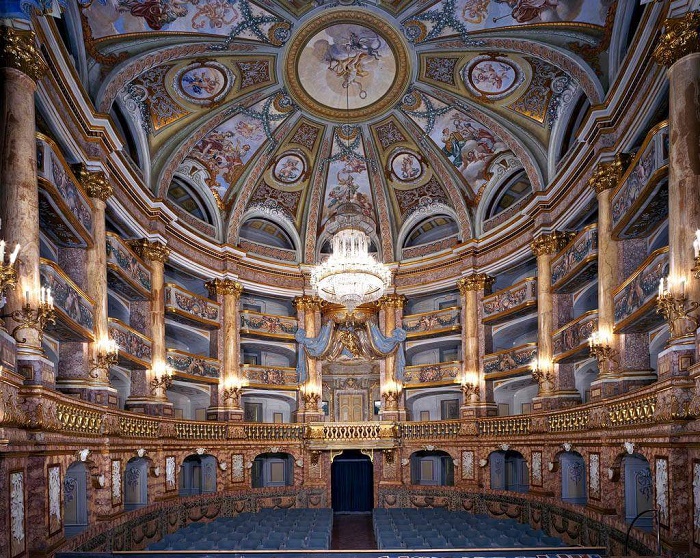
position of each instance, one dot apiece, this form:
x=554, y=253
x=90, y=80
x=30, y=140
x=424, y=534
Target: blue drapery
x=386, y=345
x=313, y=346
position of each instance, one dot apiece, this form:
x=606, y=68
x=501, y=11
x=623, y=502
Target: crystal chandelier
x=350, y=276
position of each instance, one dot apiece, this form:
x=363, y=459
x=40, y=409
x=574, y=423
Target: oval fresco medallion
x=348, y=64
x=406, y=167
x=289, y=168
x=203, y=83
x=492, y=77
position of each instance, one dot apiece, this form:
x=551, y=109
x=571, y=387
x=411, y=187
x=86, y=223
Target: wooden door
x=350, y=407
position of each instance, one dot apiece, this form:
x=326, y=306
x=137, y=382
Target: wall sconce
x=470, y=387
x=696, y=248
x=29, y=318
x=543, y=373
x=310, y=397
x=390, y=393
x=675, y=308
x=600, y=347
x=233, y=389
x=162, y=379
x=106, y=355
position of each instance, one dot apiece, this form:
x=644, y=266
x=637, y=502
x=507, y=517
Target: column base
x=556, y=400
x=676, y=361
x=36, y=369
x=225, y=414
x=478, y=410
x=151, y=407
x=620, y=383
x=100, y=394
x=308, y=416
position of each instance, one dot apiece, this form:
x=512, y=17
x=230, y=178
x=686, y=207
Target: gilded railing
x=351, y=431
x=275, y=376
x=509, y=362
x=188, y=307
x=570, y=342
x=190, y=430
x=66, y=210
x=188, y=364
x=508, y=303
x=577, y=263
x=79, y=419
x=432, y=323
x=635, y=299
x=134, y=347
x=440, y=372
x=268, y=325
x=75, y=309
x=274, y=432
x=507, y=426
x=569, y=421
x=635, y=210
x=137, y=427
x=127, y=273
x=430, y=430
x=633, y=411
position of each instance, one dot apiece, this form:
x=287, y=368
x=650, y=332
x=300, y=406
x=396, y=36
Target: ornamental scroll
x=348, y=341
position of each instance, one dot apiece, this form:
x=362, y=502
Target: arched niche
x=136, y=483
x=273, y=469
x=639, y=491
x=75, y=499
x=198, y=475
x=432, y=468
x=573, y=478
x=509, y=471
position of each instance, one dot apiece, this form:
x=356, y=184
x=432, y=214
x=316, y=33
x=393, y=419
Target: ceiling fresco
x=283, y=109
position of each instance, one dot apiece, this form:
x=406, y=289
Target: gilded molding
x=95, y=183
x=153, y=251
x=682, y=37
x=550, y=243
x=607, y=175
x=224, y=287
x=307, y=302
x=392, y=301
x=475, y=282
x=17, y=51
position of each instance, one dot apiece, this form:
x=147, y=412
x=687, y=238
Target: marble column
x=393, y=400
x=679, y=51
x=155, y=254
x=309, y=397
x=478, y=399
x=556, y=390
x=21, y=66
x=231, y=381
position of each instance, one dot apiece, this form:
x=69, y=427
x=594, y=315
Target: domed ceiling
x=254, y=119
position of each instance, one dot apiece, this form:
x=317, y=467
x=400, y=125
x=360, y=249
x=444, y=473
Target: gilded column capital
x=95, y=183
x=681, y=38
x=307, y=302
x=17, y=50
x=550, y=243
x=607, y=175
x=392, y=301
x=475, y=282
x=154, y=251
x=224, y=287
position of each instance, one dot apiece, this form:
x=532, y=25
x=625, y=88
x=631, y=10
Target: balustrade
x=74, y=308
x=509, y=362
x=506, y=304
x=437, y=322
x=190, y=308
x=127, y=274
x=635, y=411
x=577, y=263
x=571, y=341
x=191, y=430
x=267, y=325
x=274, y=432
x=432, y=374
x=569, y=421
x=431, y=430
x=508, y=426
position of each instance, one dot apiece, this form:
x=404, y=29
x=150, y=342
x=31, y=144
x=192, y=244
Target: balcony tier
x=134, y=347
x=278, y=377
x=509, y=362
x=270, y=326
x=193, y=367
x=127, y=274
x=189, y=308
x=506, y=304
x=571, y=340
x=440, y=373
x=430, y=324
x=75, y=310
x=577, y=263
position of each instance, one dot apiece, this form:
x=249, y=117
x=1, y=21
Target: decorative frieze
x=127, y=274
x=571, y=340
x=193, y=365
x=17, y=513
x=270, y=375
x=268, y=325
x=577, y=263
x=75, y=310
x=509, y=361
x=430, y=373
x=116, y=471
x=190, y=308
x=54, y=498
x=307, y=303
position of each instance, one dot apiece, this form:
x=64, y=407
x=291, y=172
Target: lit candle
x=13, y=256
x=2, y=252
x=682, y=287
x=696, y=243
x=661, y=287
x=26, y=297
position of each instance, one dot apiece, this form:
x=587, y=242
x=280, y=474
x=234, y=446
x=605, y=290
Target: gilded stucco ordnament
x=359, y=42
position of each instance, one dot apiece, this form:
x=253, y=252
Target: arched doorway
x=352, y=480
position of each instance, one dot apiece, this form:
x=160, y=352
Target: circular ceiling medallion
x=347, y=59
x=493, y=77
x=406, y=167
x=289, y=168
x=203, y=83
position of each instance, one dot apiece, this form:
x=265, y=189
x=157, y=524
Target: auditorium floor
x=353, y=531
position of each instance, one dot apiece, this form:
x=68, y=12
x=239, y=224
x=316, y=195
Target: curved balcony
x=74, y=308
x=635, y=299
x=438, y=374
x=127, y=274
x=577, y=263
x=509, y=362
x=270, y=326
x=571, y=341
x=193, y=367
x=189, y=308
x=134, y=347
x=65, y=210
x=430, y=324
x=506, y=304
x=640, y=202
x=278, y=377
